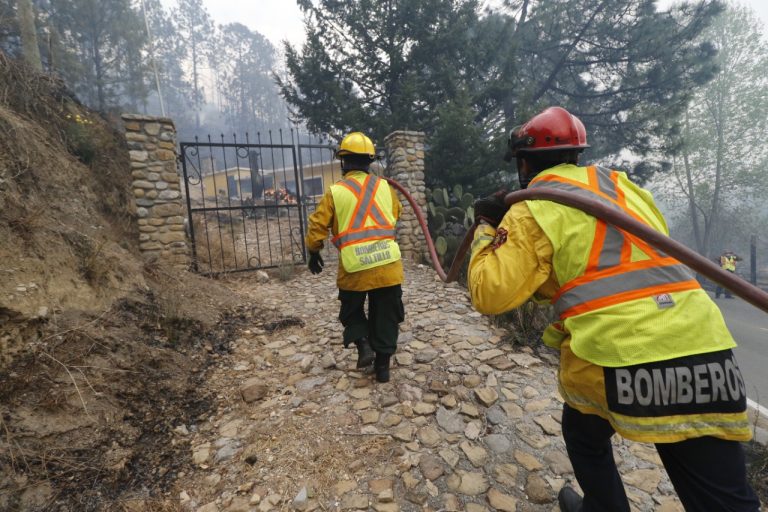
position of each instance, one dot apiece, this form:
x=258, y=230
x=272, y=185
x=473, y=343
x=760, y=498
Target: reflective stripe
x=364, y=205
x=353, y=185
x=600, y=288
x=378, y=217
x=606, y=184
x=610, y=256
x=575, y=189
x=366, y=234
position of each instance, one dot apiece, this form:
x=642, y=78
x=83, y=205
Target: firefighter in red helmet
x=643, y=349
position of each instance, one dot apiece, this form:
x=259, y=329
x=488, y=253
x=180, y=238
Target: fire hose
x=693, y=260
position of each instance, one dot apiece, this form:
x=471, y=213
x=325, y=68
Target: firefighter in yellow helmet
x=361, y=211
x=643, y=349
x=727, y=262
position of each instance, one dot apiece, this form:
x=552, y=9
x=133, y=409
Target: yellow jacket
x=511, y=264
x=325, y=218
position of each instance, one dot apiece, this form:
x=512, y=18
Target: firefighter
x=643, y=349
x=727, y=262
x=361, y=211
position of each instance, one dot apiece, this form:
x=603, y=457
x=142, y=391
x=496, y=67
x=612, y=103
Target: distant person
x=643, y=349
x=727, y=262
x=361, y=211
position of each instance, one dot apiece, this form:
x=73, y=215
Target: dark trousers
x=719, y=291
x=385, y=312
x=709, y=474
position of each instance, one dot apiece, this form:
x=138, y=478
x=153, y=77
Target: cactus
x=467, y=200
x=437, y=223
x=431, y=207
x=453, y=244
x=456, y=214
x=471, y=214
x=467, y=223
x=441, y=210
x=441, y=246
x=440, y=196
x=458, y=191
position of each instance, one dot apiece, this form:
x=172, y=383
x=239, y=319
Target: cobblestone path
x=468, y=422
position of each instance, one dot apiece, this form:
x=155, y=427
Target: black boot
x=365, y=354
x=381, y=367
x=569, y=500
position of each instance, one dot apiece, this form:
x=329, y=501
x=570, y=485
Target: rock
x=213, y=480
x=404, y=433
x=439, y=387
x=426, y=356
x=497, y=443
x=449, y=421
x=469, y=409
x=559, y=462
x=409, y=481
x=210, y=507
x=473, y=430
x=391, y=420
x=380, y=485
x=506, y=474
x=472, y=381
x=404, y=358
x=530, y=392
x=386, y=496
x=328, y=361
x=344, y=486
x=527, y=460
x=512, y=410
x=475, y=453
x=386, y=507
x=306, y=363
x=500, y=501
x=429, y=436
x=467, y=482
x=524, y=360
x=644, y=479
x=227, y=451
x=548, y=425
x=261, y=277
x=538, y=490
x=486, y=396
x=538, y=405
x=430, y=467
x=201, y=453
x=369, y=417
x=253, y=389
x=388, y=400
x=239, y=504
x=301, y=500
x=496, y=415
x=310, y=383
x=449, y=456
x=449, y=401
x=487, y=355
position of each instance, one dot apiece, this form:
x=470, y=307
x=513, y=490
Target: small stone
x=449, y=421
x=449, y=456
x=404, y=358
x=370, y=417
x=476, y=454
x=472, y=381
x=430, y=467
x=530, y=392
x=500, y=501
x=449, y=401
x=496, y=415
x=528, y=461
x=512, y=410
x=644, y=479
x=201, y=453
x=380, y=485
x=506, y=474
x=253, y=389
x=301, y=499
x=469, y=409
x=429, y=436
x=386, y=496
x=497, y=443
x=404, y=433
x=344, y=486
x=328, y=361
x=391, y=420
x=423, y=408
x=426, y=356
x=548, y=425
x=262, y=277
x=354, y=501
x=559, y=462
x=468, y=483
x=486, y=396
x=210, y=507
x=473, y=430
x=538, y=490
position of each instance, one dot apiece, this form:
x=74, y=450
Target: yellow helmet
x=356, y=143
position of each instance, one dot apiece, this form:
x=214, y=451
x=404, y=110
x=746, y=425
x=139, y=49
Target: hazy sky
x=282, y=19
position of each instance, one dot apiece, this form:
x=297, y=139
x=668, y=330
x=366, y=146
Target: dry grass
x=526, y=323
x=215, y=246
x=316, y=453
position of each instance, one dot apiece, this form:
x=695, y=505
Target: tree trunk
x=30, y=51
x=195, y=82
x=691, y=193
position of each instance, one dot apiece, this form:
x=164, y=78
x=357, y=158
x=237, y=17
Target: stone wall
x=157, y=189
x=405, y=164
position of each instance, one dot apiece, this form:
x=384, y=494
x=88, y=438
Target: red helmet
x=555, y=128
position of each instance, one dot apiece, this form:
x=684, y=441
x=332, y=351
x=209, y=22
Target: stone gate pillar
x=405, y=164
x=157, y=189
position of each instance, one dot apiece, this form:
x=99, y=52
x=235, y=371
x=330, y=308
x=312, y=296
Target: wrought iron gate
x=244, y=201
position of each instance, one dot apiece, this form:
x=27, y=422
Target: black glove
x=316, y=262
x=492, y=208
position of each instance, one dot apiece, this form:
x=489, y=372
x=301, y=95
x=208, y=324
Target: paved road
x=749, y=326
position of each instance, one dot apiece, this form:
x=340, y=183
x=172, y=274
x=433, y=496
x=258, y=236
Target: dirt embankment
x=101, y=354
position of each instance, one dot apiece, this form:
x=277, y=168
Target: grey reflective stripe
x=377, y=216
x=362, y=235
x=605, y=183
x=365, y=203
x=624, y=282
x=610, y=255
x=567, y=187
x=353, y=184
